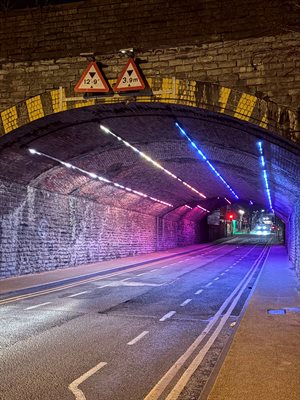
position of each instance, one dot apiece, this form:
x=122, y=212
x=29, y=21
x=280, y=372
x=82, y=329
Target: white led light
x=188, y=206
x=202, y=208
x=93, y=175
x=229, y=202
x=67, y=164
x=104, y=129
x=32, y=151
x=150, y=160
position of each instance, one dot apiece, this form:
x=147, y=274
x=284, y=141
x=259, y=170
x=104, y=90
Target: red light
x=230, y=216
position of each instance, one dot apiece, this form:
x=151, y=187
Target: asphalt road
x=150, y=332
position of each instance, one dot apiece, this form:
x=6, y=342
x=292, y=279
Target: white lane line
x=226, y=270
x=38, y=305
x=143, y=273
x=108, y=284
x=158, y=389
x=152, y=270
x=168, y=315
x=78, y=294
x=73, y=387
x=216, y=279
x=126, y=279
x=166, y=266
x=187, y=301
x=182, y=382
x=139, y=337
x=209, y=284
x=223, y=273
x=199, y=291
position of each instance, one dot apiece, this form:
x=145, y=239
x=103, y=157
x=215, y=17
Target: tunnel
x=115, y=180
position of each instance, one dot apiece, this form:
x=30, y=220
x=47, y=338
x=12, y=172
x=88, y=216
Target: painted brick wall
x=41, y=231
x=249, y=45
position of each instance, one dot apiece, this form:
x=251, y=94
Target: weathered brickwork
x=106, y=25
x=293, y=237
x=40, y=231
x=251, y=46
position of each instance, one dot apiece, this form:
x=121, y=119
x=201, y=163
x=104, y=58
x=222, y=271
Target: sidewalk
x=43, y=278
x=263, y=362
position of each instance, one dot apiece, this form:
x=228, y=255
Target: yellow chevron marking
x=35, y=108
x=245, y=107
x=223, y=98
x=56, y=101
x=264, y=122
x=10, y=119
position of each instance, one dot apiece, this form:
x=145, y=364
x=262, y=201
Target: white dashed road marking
x=199, y=291
x=168, y=315
x=216, y=279
x=38, y=305
x=78, y=294
x=209, y=284
x=187, y=301
x=133, y=341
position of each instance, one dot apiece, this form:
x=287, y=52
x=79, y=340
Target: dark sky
x=9, y=4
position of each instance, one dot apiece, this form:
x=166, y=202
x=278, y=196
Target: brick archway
x=219, y=99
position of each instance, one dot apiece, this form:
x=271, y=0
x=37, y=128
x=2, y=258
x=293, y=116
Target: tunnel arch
x=225, y=123
x=258, y=111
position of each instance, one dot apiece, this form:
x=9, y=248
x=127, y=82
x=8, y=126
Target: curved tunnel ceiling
x=75, y=137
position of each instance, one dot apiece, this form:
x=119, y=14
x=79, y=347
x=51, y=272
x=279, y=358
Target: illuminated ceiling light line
x=100, y=178
x=188, y=206
x=265, y=175
x=206, y=160
x=204, y=209
x=150, y=160
x=229, y=202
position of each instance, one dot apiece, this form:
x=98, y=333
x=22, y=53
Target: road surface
x=152, y=331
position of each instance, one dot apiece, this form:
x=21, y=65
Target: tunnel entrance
x=109, y=181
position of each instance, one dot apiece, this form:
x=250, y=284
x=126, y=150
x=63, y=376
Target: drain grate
x=281, y=311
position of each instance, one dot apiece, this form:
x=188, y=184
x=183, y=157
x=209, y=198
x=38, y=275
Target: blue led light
x=206, y=160
x=265, y=175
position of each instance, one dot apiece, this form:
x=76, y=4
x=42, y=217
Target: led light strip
x=150, y=160
x=265, y=175
x=202, y=208
x=188, y=206
x=206, y=160
x=100, y=178
x=229, y=202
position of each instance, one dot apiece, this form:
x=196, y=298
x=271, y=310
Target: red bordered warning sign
x=129, y=79
x=92, y=80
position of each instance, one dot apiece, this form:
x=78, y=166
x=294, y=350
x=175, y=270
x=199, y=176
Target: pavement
x=263, y=362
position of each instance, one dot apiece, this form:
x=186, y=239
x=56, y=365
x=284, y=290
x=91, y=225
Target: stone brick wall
x=293, y=237
x=40, y=231
x=249, y=45
x=104, y=26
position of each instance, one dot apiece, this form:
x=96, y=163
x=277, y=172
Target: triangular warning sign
x=129, y=79
x=92, y=80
